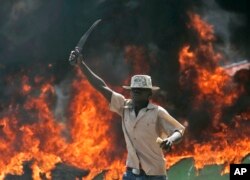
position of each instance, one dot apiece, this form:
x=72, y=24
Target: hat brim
x=153, y=88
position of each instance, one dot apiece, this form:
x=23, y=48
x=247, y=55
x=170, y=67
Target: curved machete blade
x=85, y=36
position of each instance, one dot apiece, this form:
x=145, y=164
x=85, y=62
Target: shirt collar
x=129, y=105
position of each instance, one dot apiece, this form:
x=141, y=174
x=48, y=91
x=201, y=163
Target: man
x=142, y=123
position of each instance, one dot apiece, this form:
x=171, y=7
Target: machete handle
x=73, y=56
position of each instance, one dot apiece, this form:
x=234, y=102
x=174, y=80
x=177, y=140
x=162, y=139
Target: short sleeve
x=117, y=103
x=169, y=124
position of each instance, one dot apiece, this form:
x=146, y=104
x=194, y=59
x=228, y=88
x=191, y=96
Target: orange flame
x=90, y=130
x=201, y=72
x=88, y=143
x=87, y=140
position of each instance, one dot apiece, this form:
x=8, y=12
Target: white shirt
x=141, y=132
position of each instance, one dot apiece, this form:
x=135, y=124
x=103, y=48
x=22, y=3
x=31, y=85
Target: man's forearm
x=94, y=80
x=76, y=58
x=175, y=137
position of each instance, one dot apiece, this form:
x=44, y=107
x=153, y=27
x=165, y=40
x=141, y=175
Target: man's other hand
x=166, y=144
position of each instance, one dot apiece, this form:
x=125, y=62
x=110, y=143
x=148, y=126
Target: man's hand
x=166, y=144
x=75, y=57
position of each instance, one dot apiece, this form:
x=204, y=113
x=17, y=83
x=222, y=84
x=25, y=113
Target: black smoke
x=240, y=34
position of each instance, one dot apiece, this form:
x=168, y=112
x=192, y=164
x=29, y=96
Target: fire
x=31, y=141
x=211, y=84
x=26, y=87
x=87, y=144
x=137, y=57
x=89, y=139
x=90, y=131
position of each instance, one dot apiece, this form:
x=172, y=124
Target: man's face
x=140, y=94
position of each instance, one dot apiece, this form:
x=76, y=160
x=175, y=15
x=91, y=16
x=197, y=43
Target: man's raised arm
x=76, y=58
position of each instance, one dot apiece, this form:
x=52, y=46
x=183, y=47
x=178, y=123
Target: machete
x=84, y=38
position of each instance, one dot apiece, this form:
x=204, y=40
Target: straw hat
x=141, y=81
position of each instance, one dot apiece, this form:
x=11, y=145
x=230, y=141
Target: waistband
x=139, y=172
